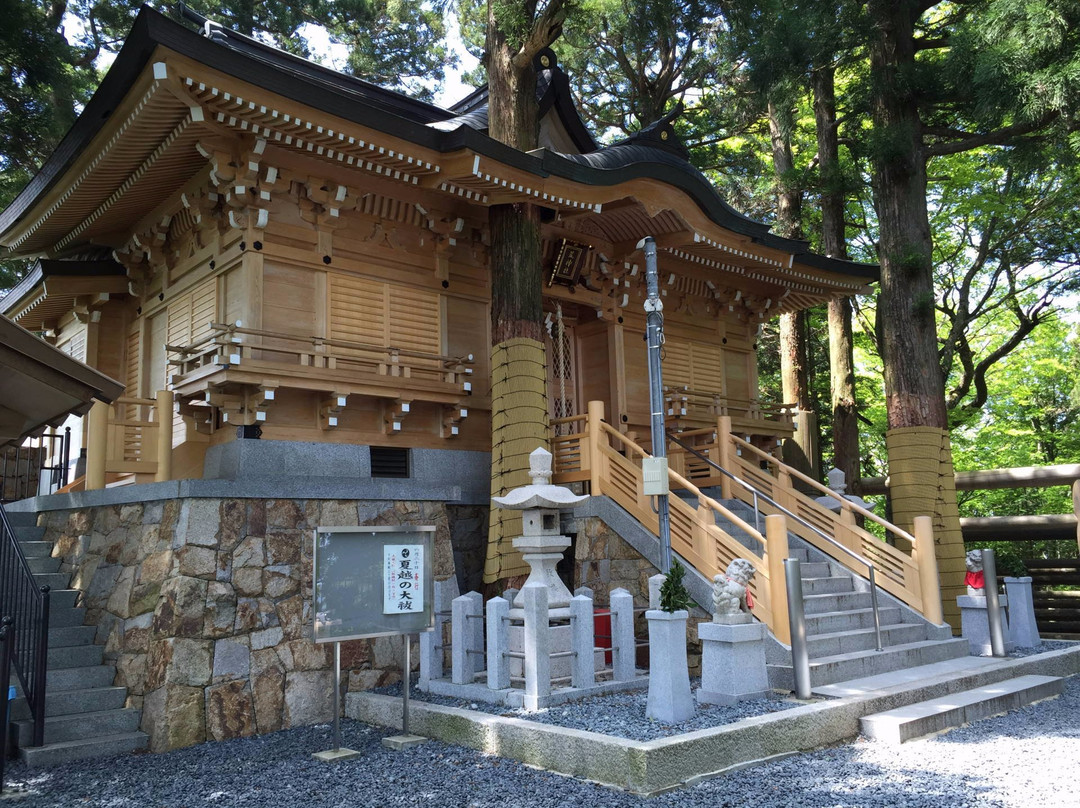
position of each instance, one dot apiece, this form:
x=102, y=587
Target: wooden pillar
x=164, y=435
x=97, y=441
x=926, y=557
x=592, y=437
x=724, y=455
x=776, y=550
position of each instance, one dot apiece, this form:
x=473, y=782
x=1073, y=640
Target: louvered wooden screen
x=693, y=365
x=383, y=314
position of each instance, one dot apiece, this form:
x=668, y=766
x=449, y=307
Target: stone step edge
x=852, y=632
x=95, y=747
x=952, y=711
x=892, y=650
x=66, y=717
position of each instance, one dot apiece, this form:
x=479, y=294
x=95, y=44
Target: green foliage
x=673, y=594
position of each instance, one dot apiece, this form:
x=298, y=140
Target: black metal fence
x=27, y=605
x=41, y=462
x=7, y=643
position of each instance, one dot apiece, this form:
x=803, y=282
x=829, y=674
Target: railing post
x=97, y=441
x=164, y=412
x=595, y=417
x=776, y=550
x=7, y=644
x=41, y=668
x=723, y=452
x=926, y=558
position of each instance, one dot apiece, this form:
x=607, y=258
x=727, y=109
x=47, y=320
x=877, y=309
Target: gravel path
x=1030, y=757
x=619, y=714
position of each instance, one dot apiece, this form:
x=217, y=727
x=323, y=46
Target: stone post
x=583, y=669
x=624, y=650
x=476, y=625
x=464, y=638
x=670, y=701
x=1022, y=627
x=431, y=642
x=498, y=643
x=655, y=582
x=537, y=645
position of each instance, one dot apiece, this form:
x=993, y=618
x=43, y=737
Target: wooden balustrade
x=590, y=449
x=130, y=436
x=301, y=361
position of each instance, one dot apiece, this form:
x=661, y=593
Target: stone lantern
x=540, y=544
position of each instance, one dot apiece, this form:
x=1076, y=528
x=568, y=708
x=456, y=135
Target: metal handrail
x=27, y=605
x=27, y=457
x=758, y=495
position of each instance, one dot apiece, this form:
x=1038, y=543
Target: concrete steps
x=84, y=713
x=956, y=709
x=841, y=641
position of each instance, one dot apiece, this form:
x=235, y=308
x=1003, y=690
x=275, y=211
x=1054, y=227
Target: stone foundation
x=204, y=606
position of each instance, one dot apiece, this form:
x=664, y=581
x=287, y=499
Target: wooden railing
x=611, y=462
x=130, y=436
x=298, y=357
x=691, y=407
x=597, y=453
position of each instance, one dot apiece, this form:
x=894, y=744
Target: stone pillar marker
x=464, y=663
x=498, y=643
x=623, y=644
x=537, y=644
x=583, y=667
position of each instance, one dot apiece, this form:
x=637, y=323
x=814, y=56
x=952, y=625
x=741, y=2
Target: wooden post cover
x=922, y=481
x=776, y=550
x=97, y=440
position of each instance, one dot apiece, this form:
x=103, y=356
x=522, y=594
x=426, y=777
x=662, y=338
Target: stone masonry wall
x=604, y=561
x=204, y=606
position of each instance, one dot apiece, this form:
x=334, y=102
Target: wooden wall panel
x=594, y=368
x=468, y=331
x=289, y=305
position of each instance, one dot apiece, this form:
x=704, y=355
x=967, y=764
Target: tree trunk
x=845, y=424
x=920, y=457
x=794, y=355
x=519, y=413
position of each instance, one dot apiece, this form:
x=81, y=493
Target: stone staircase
x=84, y=713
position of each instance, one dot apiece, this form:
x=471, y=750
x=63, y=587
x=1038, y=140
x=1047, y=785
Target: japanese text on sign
x=403, y=581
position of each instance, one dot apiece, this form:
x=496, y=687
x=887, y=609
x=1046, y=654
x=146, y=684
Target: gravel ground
x=1030, y=757
x=619, y=714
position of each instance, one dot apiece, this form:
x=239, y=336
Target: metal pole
x=874, y=604
x=337, y=696
x=654, y=329
x=993, y=606
x=405, y=689
x=800, y=659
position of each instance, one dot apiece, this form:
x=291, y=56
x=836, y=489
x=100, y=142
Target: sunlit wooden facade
x=284, y=247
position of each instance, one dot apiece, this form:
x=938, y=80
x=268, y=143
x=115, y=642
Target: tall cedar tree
x=517, y=33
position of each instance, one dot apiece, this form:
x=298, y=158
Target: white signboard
x=403, y=578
